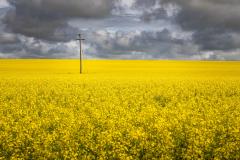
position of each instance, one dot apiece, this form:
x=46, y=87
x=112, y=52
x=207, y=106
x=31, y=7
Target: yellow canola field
x=119, y=109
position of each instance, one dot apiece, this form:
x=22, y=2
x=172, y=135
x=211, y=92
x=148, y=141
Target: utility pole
x=80, y=39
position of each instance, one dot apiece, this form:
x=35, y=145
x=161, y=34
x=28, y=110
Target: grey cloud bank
x=43, y=18
x=215, y=23
x=121, y=29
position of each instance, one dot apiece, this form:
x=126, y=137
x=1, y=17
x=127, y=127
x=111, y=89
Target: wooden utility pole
x=81, y=52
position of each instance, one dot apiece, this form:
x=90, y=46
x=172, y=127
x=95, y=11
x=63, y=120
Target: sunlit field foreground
x=119, y=110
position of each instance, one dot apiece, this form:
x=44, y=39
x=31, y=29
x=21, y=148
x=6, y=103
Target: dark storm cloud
x=140, y=45
x=106, y=44
x=152, y=10
x=209, y=29
x=63, y=8
x=42, y=18
x=202, y=14
x=213, y=22
x=198, y=14
x=26, y=47
x=217, y=39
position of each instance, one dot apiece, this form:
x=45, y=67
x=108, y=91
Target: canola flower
x=119, y=110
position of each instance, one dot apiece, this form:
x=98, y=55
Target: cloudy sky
x=121, y=29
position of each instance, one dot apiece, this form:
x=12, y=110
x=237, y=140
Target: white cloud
x=3, y=4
